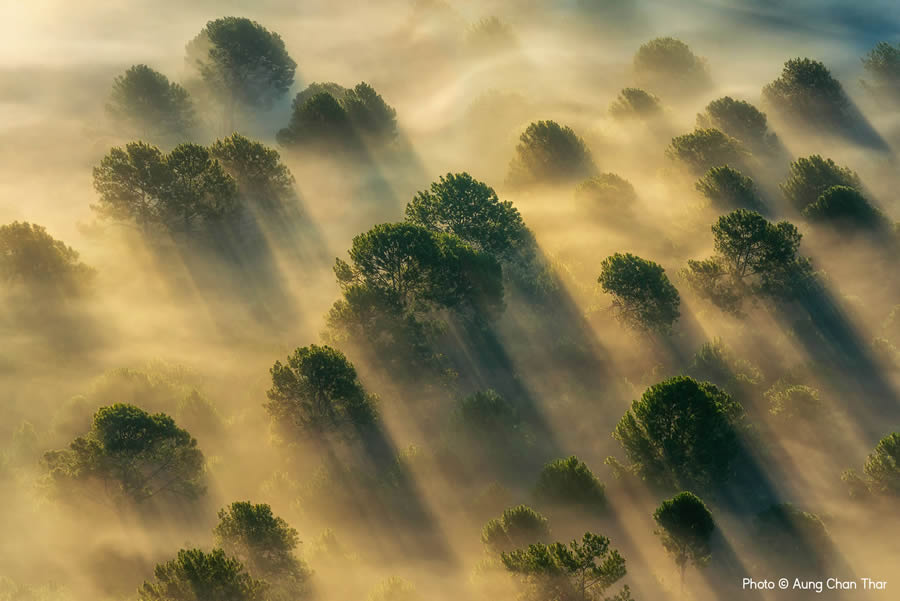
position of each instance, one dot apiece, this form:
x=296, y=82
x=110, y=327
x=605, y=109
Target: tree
x=753, y=256
x=461, y=205
x=728, y=189
x=549, y=153
x=741, y=120
x=667, y=65
x=607, y=194
x=882, y=63
x=682, y=434
x=703, y=149
x=132, y=183
x=199, y=188
x=488, y=415
x=806, y=94
x=810, y=176
x=784, y=533
x=579, y=571
x=518, y=527
x=570, y=483
x=41, y=264
x=843, y=204
x=336, y=90
x=265, y=544
x=370, y=115
x=320, y=120
x=881, y=470
x=643, y=296
x=195, y=575
x=262, y=180
x=133, y=454
x=490, y=35
x=715, y=362
x=317, y=390
x=635, y=103
x=685, y=526
x=145, y=102
x=795, y=401
x=242, y=64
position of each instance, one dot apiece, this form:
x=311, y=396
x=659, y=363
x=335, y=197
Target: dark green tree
x=715, y=362
x=461, y=205
x=319, y=121
x=263, y=181
x=685, y=526
x=316, y=391
x=741, y=120
x=336, y=90
x=134, y=456
x=242, y=64
x=579, y=571
x=808, y=95
x=728, y=189
x=882, y=64
x=39, y=263
x=265, y=545
x=198, y=190
x=703, y=149
x=488, y=416
x=682, y=434
x=669, y=67
x=570, y=483
x=133, y=183
x=881, y=470
x=147, y=104
x=549, y=153
x=369, y=114
x=845, y=205
x=795, y=401
x=786, y=535
x=810, y=176
x=635, y=103
x=516, y=528
x=195, y=575
x=643, y=296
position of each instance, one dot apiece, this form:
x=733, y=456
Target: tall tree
x=643, y=296
x=808, y=95
x=846, y=205
x=263, y=181
x=810, y=176
x=741, y=120
x=704, y=149
x=145, y=102
x=569, y=482
x=132, y=183
x=549, y=153
x=516, y=528
x=727, y=189
x=685, y=526
x=32, y=258
x=199, y=188
x=195, y=575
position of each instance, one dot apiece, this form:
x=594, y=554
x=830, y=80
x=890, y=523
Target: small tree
x=265, y=544
x=459, y=204
x=685, y=526
x=882, y=470
x=810, y=176
x=242, y=64
x=317, y=390
x=607, y=194
x=195, y=575
x=549, y=153
x=518, y=527
x=579, y=571
x=42, y=265
x=570, y=483
x=882, y=64
x=667, y=65
x=642, y=294
x=145, y=102
x=807, y=94
x=704, y=149
x=843, y=204
x=635, y=103
x=741, y=120
x=728, y=189
x=682, y=433
x=133, y=454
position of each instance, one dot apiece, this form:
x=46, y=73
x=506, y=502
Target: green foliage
x=845, y=205
x=487, y=415
x=369, y=114
x=882, y=64
x=517, y=527
x=265, y=544
x=147, y=104
x=741, y=120
x=703, y=149
x=198, y=188
x=635, y=103
x=643, y=296
x=394, y=588
x=133, y=454
x=43, y=266
x=811, y=176
x=607, y=194
x=807, y=94
x=883, y=466
x=262, y=179
x=753, y=256
x=195, y=575
x=728, y=189
x=685, y=526
x=667, y=65
x=579, y=571
x=794, y=402
x=549, y=153
x=682, y=434
x=461, y=205
x=716, y=363
x=242, y=64
x=336, y=90
x=570, y=483
x=316, y=391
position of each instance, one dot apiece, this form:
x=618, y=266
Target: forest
x=449, y=300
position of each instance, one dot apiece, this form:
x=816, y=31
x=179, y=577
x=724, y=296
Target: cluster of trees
x=36, y=263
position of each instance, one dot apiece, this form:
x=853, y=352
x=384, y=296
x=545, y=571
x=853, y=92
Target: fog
x=205, y=313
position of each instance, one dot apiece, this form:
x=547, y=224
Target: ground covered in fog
x=439, y=300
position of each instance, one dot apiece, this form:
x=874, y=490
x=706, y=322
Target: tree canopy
x=685, y=526
x=33, y=259
x=727, y=189
x=643, y=296
x=785, y=534
x=741, y=120
x=317, y=390
x=147, y=104
x=881, y=469
x=810, y=176
x=134, y=456
x=668, y=66
x=703, y=149
x=807, y=94
x=516, y=528
x=845, y=205
x=570, y=483
x=682, y=433
x=242, y=64
x=550, y=153
x=635, y=103
x=263, y=181
x=461, y=205
x=607, y=194
x=196, y=575
x=882, y=64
